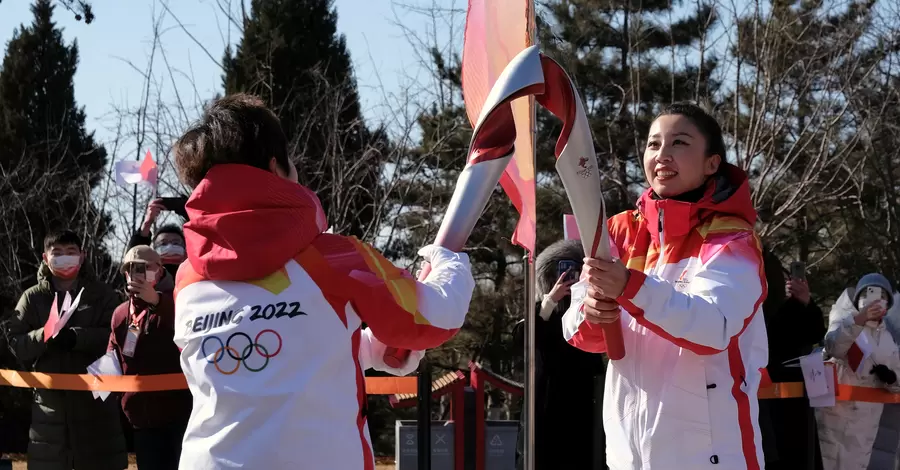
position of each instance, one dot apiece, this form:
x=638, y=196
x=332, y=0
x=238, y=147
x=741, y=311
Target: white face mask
x=151, y=276
x=65, y=262
x=170, y=250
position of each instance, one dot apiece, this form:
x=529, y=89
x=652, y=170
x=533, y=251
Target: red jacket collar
x=726, y=194
x=246, y=223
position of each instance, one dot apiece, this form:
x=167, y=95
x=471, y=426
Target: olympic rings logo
x=246, y=351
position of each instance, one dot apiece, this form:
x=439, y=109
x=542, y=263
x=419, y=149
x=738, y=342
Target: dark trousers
x=159, y=448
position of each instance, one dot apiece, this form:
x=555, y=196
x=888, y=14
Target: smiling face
x=676, y=160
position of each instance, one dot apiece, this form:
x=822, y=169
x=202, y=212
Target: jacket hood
x=727, y=194
x=547, y=263
x=845, y=308
x=246, y=223
x=873, y=280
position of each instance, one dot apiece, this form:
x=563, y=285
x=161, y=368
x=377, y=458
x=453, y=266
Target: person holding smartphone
x=168, y=240
x=143, y=328
x=862, y=340
x=567, y=378
x=794, y=325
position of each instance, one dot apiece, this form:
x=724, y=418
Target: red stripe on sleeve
x=589, y=337
x=745, y=421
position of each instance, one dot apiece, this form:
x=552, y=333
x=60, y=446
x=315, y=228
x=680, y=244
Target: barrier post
x=424, y=418
x=470, y=426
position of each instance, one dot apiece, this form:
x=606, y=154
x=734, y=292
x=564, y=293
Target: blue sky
x=385, y=62
x=115, y=51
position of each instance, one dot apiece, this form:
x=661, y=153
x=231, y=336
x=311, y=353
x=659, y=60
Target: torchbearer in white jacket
x=688, y=287
x=862, y=339
x=269, y=309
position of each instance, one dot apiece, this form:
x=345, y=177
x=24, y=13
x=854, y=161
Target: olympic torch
x=577, y=166
x=491, y=148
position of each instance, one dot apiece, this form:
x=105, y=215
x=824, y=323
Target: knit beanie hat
x=874, y=280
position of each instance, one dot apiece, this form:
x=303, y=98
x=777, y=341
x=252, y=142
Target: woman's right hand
x=872, y=312
x=562, y=288
x=153, y=209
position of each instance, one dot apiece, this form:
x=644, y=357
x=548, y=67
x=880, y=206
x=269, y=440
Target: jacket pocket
x=684, y=427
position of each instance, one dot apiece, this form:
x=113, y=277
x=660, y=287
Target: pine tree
x=292, y=57
x=49, y=159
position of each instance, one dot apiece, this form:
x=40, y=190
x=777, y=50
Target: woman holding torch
x=687, y=286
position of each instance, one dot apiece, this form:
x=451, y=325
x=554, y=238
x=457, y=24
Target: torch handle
x=615, y=346
x=612, y=332
x=394, y=357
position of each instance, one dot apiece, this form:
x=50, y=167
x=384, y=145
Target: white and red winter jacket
x=685, y=394
x=268, y=316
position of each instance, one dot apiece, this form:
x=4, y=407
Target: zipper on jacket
x=657, y=270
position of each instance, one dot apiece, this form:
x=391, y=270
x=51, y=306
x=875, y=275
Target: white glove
x=439, y=257
x=371, y=356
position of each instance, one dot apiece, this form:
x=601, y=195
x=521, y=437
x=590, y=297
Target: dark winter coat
x=155, y=353
x=569, y=381
x=788, y=426
x=69, y=429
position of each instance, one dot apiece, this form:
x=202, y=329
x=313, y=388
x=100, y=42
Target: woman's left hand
x=609, y=277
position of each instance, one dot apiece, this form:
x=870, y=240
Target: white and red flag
x=130, y=172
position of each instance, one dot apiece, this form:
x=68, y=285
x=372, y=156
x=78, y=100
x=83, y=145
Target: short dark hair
x=237, y=128
x=705, y=122
x=169, y=228
x=62, y=237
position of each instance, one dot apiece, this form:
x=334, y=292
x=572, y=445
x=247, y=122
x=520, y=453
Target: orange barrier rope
x=374, y=385
x=154, y=383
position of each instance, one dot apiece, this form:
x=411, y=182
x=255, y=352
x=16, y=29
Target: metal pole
x=530, y=314
x=530, y=377
x=424, y=418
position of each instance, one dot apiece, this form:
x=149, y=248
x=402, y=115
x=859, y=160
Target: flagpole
x=530, y=301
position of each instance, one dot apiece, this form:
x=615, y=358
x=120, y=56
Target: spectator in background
x=143, y=328
x=168, y=240
x=794, y=324
x=69, y=429
x=569, y=381
x=847, y=430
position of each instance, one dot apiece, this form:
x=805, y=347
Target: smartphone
x=873, y=294
x=138, y=272
x=570, y=266
x=173, y=204
x=798, y=270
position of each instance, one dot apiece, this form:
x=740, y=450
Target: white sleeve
x=724, y=295
x=445, y=294
x=371, y=356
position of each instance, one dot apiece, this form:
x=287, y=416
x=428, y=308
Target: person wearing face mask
x=269, y=307
x=869, y=313
x=142, y=334
x=69, y=429
x=687, y=286
x=168, y=240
